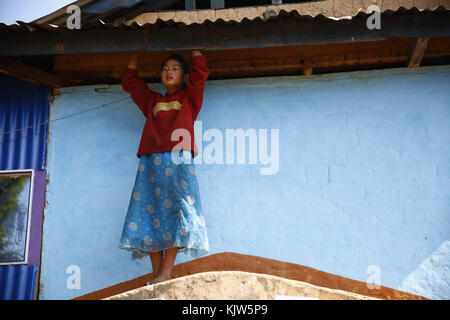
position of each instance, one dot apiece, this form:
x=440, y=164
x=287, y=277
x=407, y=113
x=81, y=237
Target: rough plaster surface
x=329, y=8
x=362, y=189
x=431, y=277
x=234, y=285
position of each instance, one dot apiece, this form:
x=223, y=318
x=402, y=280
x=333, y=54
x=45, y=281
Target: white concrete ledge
x=235, y=285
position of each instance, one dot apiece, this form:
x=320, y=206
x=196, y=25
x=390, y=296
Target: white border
x=30, y=210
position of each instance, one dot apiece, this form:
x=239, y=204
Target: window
x=15, y=215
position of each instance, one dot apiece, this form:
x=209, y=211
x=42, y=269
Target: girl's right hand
x=196, y=53
x=134, y=62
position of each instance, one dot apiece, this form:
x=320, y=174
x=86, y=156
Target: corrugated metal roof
x=96, y=24
x=266, y=13
x=23, y=104
x=111, y=11
x=17, y=282
x=119, y=11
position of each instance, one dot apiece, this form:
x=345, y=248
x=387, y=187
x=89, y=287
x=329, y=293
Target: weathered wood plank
x=417, y=52
x=30, y=74
x=292, y=60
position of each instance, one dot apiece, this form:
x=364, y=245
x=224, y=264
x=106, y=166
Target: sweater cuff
x=199, y=59
x=128, y=70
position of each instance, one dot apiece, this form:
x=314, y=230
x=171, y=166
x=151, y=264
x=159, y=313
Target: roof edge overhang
x=148, y=12
x=322, y=10
x=286, y=29
x=284, y=44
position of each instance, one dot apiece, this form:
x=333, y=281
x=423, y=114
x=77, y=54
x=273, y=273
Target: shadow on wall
x=430, y=279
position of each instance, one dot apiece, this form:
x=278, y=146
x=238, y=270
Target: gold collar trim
x=166, y=106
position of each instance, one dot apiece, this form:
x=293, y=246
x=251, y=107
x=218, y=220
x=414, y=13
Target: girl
x=165, y=215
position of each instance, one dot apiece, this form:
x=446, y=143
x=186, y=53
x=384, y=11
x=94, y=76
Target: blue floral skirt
x=165, y=209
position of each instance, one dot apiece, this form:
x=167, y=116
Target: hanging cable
x=68, y=116
x=144, y=48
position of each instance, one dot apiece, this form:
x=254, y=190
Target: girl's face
x=172, y=74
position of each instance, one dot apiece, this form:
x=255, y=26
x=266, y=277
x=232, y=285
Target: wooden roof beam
x=417, y=52
x=307, y=69
x=30, y=74
x=283, y=32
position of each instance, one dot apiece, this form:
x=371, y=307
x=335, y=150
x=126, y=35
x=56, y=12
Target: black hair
x=182, y=62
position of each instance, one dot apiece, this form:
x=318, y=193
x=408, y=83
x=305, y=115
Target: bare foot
x=150, y=282
x=160, y=278
x=153, y=280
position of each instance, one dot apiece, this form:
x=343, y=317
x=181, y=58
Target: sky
x=28, y=10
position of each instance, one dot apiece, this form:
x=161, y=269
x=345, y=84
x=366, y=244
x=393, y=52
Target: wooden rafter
x=417, y=52
x=307, y=68
x=225, y=64
x=30, y=74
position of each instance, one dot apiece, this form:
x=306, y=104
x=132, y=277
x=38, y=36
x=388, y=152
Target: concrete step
x=235, y=285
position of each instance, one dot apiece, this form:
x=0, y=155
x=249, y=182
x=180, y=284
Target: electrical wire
x=68, y=116
x=213, y=45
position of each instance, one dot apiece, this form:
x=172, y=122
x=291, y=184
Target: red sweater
x=169, y=112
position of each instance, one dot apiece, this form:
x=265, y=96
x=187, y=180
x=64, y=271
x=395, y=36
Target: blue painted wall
x=362, y=188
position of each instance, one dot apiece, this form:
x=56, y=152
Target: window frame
x=29, y=214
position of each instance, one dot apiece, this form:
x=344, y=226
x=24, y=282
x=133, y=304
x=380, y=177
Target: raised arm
x=141, y=94
x=196, y=83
